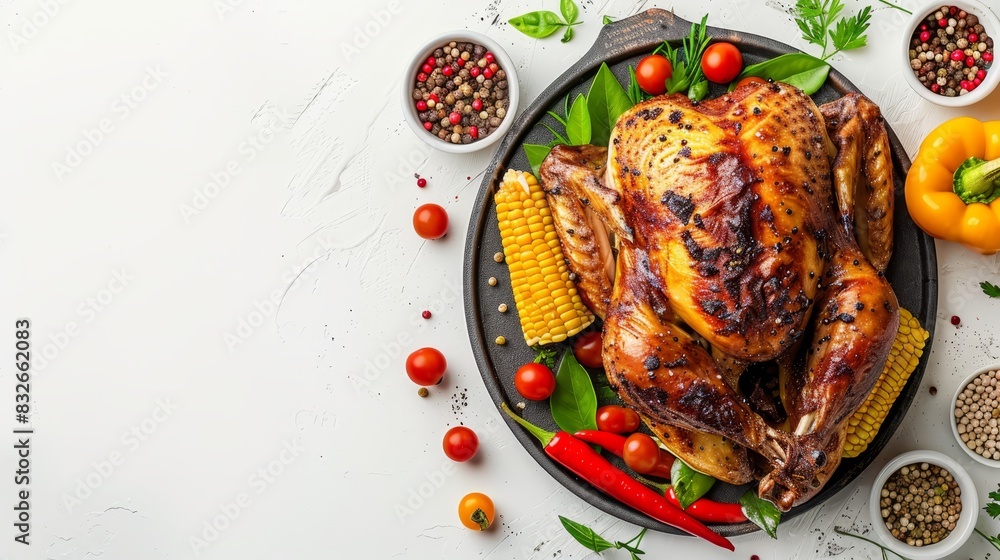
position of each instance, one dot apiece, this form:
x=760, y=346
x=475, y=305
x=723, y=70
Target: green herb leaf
x=561, y=120
x=993, y=510
x=635, y=93
x=592, y=541
x=698, y=90
x=538, y=24
x=570, y=12
x=559, y=138
x=817, y=19
x=993, y=291
x=761, y=512
x=689, y=484
x=605, y=394
x=687, y=71
x=536, y=155
x=578, y=122
x=994, y=540
x=606, y=20
x=606, y=101
x=801, y=70
x=850, y=32
x=586, y=536
x=900, y=8
x=574, y=402
x=545, y=355
x=567, y=35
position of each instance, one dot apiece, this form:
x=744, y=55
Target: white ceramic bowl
x=966, y=520
x=990, y=22
x=954, y=421
x=409, y=77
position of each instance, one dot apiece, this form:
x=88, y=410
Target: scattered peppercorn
x=932, y=390
x=501, y=340
x=498, y=257
x=956, y=320
x=502, y=308
x=921, y=504
x=977, y=411
x=423, y=392
x=492, y=281
x=426, y=314
x=461, y=93
x=950, y=52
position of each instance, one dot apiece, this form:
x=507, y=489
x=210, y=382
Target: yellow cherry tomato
x=476, y=511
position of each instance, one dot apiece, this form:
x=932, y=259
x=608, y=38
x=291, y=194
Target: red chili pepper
x=586, y=463
x=702, y=509
x=615, y=444
x=710, y=511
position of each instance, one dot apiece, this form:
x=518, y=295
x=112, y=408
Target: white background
x=186, y=347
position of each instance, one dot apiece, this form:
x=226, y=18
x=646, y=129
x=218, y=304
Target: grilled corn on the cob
x=548, y=304
x=903, y=359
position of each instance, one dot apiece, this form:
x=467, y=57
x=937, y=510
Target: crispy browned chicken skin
x=730, y=236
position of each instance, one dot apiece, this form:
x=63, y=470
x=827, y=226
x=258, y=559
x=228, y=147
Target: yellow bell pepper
x=953, y=187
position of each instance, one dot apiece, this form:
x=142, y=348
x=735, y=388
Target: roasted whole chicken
x=723, y=240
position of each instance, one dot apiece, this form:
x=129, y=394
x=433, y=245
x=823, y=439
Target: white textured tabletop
x=206, y=218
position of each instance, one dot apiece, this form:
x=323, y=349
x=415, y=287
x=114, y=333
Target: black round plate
x=913, y=271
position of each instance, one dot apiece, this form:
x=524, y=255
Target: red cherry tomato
x=641, y=453
x=652, y=74
x=721, y=63
x=534, y=381
x=617, y=419
x=430, y=221
x=587, y=349
x=426, y=366
x=460, y=444
x=751, y=81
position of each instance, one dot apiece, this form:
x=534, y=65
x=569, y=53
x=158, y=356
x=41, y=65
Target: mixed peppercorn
x=921, y=504
x=950, y=52
x=461, y=93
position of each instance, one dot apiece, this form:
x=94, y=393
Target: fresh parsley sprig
x=993, y=510
x=821, y=24
x=993, y=291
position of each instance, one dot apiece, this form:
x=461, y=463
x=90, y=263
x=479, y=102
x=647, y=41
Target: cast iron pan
x=913, y=271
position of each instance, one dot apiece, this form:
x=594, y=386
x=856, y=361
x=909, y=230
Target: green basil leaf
x=536, y=155
x=586, y=536
x=606, y=101
x=567, y=35
x=689, y=484
x=578, y=129
x=761, y=512
x=569, y=12
x=537, y=24
x=607, y=19
x=574, y=402
x=801, y=70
